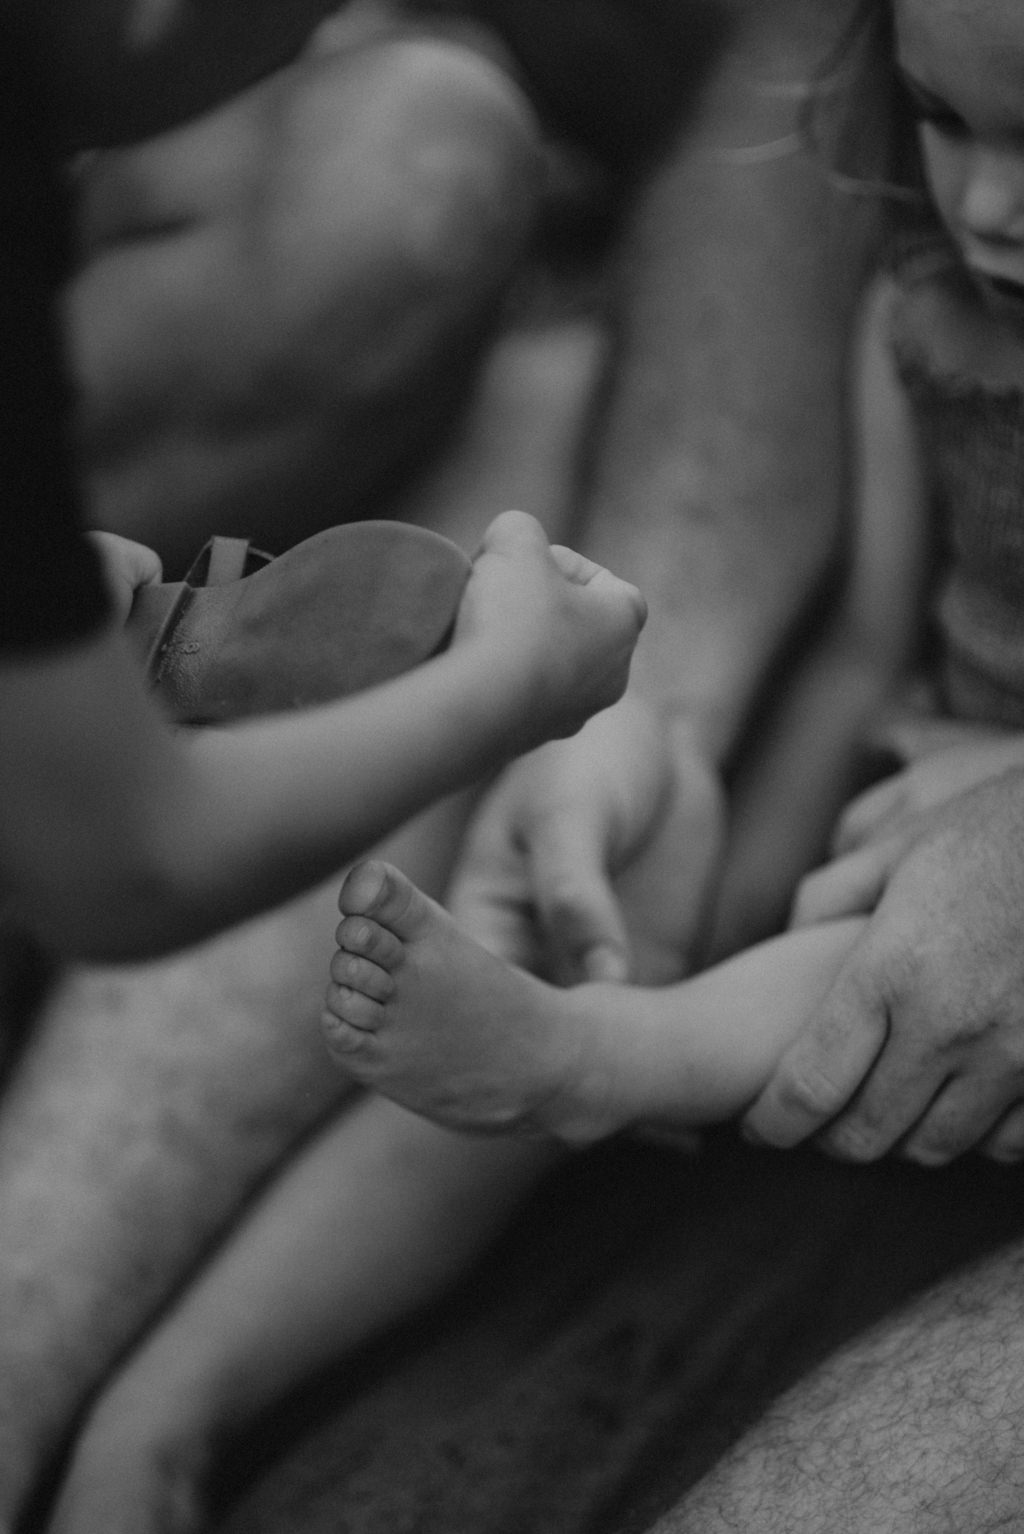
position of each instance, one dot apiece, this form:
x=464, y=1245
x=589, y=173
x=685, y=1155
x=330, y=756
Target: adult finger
x=498, y=914
x=906, y=1077
x=580, y=918
x=848, y=886
x=866, y=815
x=822, y=1069
x=1006, y=1141
x=962, y=1115
x=489, y=892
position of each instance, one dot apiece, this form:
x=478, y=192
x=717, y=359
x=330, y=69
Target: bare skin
x=107, y=1144
x=920, y=1042
x=684, y=468
x=910, y=1430
x=210, y=1068
x=346, y=1235
x=300, y=212
x=722, y=434
x=417, y=1010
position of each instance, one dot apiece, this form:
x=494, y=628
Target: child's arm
x=801, y=767
x=121, y=839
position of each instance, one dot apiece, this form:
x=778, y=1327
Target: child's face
x=963, y=64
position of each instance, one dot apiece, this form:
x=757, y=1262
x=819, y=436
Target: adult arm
x=717, y=481
x=918, y=1041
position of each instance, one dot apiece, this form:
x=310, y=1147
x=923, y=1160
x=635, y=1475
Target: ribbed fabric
x=972, y=432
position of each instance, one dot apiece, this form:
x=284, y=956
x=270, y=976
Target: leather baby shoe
x=346, y=609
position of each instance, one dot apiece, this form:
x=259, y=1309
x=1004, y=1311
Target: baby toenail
x=340, y=1035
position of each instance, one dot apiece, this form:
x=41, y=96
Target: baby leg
x=344, y=1244
x=419, y=1011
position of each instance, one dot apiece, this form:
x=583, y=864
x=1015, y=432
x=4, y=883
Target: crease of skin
x=149, y=23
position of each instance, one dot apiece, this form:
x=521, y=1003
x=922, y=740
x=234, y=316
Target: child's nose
x=992, y=200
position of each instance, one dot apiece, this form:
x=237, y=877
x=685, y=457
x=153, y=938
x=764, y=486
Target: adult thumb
x=581, y=922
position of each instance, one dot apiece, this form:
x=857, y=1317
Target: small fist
x=559, y=629
x=126, y=566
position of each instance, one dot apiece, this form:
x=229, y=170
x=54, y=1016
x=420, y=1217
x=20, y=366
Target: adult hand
x=938, y=760
x=941, y=759
x=920, y=1042
x=592, y=858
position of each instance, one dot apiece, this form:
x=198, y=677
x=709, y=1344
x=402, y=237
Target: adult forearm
x=717, y=487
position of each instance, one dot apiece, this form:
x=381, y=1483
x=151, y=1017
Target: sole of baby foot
x=419, y=1011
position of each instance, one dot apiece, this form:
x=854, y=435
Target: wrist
x=492, y=704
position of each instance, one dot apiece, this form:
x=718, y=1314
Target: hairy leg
x=418, y=1010
x=283, y=301
x=911, y=1429
x=344, y=1243
x=145, y=1107
x=145, y=1110
x=151, y=1104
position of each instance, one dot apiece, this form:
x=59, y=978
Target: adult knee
x=403, y=202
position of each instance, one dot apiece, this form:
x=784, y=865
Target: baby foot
x=421, y=1012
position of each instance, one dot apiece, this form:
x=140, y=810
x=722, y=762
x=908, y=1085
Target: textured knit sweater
x=972, y=434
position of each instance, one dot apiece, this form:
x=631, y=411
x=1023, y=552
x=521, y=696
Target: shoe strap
x=158, y=610
x=223, y=560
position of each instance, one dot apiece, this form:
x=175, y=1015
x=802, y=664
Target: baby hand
x=126, y=566
x=557, y=631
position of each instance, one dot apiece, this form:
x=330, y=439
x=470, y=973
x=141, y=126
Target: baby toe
x=385, y=893
x=352, y=1008
x=350, y=971
x=360, y=935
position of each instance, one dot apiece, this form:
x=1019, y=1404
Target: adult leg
x=911, y=1429
x=613, y=1344
x=145, y=1106
x=146, y=1109
x=368, y=1224
x=149, y=1105
x=283, y=301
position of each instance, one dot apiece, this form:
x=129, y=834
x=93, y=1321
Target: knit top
x=972, y=435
